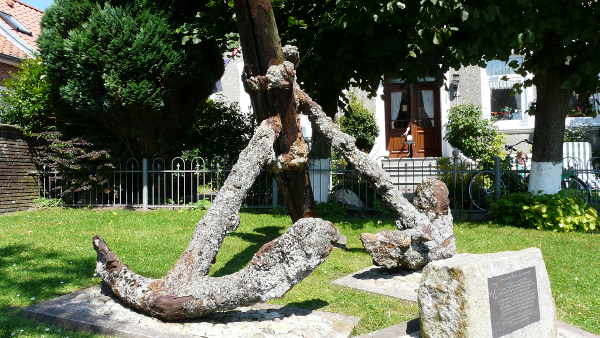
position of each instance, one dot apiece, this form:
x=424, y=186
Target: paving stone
x=95, y=309
x=402, y=284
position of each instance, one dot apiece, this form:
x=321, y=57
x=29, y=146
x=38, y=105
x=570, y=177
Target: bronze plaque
x=514, y=301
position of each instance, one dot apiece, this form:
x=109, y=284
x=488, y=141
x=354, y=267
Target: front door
x=413, y=119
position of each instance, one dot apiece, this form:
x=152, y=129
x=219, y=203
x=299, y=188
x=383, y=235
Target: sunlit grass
x=48, y=253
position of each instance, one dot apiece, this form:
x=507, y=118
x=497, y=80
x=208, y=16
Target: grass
x=47, y=253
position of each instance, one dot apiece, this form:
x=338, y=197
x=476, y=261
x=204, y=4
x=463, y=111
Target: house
x=20, y=26
x=421, y=108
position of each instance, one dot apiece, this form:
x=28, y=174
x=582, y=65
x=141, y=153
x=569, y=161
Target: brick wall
x=18, y=188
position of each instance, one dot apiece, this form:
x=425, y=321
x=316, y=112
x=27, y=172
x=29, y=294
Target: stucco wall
x=18, y=187
x=513, y=138
x=230, y=81
x=469, y=86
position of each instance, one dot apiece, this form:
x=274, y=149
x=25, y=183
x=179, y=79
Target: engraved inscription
x=514, y=301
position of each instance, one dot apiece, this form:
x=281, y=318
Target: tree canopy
x=366, y=40
x=119, y=70
x=558, y=40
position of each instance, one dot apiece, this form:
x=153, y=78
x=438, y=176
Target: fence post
x=274, y=196
x=498, y=176
x=145, y=183
x=454, y=168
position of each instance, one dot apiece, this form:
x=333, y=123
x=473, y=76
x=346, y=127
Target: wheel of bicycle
x=482, y=189
x=573, y=186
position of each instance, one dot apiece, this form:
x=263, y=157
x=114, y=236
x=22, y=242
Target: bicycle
x=483, y=186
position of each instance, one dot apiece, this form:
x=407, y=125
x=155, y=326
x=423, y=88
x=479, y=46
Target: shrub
x=359, y=122
x=121, y=73
x=27, y=100
x=475, y=136
x=221, y=131
x=43, y=203
x=582, y=133
x=558, y=212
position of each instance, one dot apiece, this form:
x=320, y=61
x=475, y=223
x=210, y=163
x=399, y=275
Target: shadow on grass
x=483, y=224
x=358, y=219
x=15, y=323
x=28, y=272
x=239, y=260
x=309, y=304
x=40, y=273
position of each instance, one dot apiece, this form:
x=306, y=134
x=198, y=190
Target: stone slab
x=504, y=294
x=410, y=329
x=95, y=309
x=402, y=284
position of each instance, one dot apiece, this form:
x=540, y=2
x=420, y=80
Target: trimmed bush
x=121, y=75
x=475, y=136
x=359, y=122
x=221, y=130
x=557, y=212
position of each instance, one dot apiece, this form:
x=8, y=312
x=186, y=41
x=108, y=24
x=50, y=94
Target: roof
x=15, y=43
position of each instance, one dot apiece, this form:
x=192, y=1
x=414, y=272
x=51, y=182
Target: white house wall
x=445, y=104
x=380, y=147
x=231, y=85
x=473, y=88
x=469, y=86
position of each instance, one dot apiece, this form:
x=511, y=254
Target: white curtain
x=427, y=99
x=396, y=101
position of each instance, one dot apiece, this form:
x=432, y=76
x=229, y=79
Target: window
x=498, y=67
x=14, y=23
x=505, y=102
x=583, y=106
x=506, y=105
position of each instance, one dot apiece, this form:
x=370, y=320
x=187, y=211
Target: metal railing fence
x=187, y=182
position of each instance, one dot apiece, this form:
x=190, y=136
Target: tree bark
x=548, y=135
x=272, y=94
x=186, y=291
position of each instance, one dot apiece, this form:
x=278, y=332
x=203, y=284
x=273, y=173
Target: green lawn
x=48, y=253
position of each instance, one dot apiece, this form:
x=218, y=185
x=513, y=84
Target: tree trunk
x=548, y=136
x=261, y=48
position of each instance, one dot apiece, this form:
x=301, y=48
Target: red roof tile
x=8, y=48
x=28, y=16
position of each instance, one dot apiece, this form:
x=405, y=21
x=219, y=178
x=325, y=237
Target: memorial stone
x=504, y=294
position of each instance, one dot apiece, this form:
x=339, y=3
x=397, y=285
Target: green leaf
x=436, y=38
x=465, y=15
